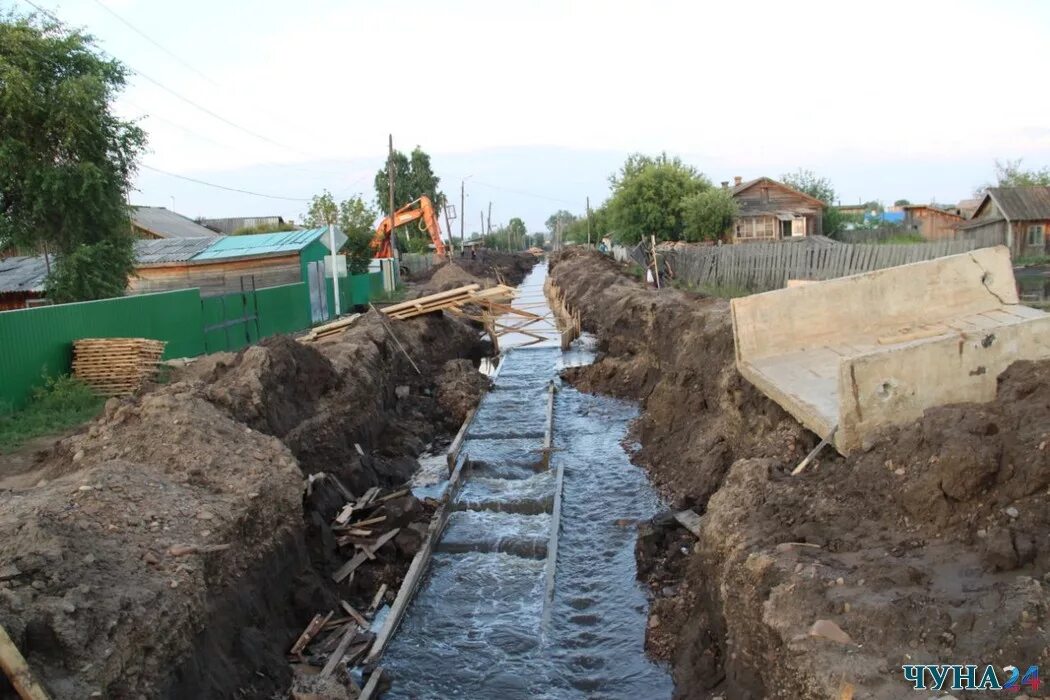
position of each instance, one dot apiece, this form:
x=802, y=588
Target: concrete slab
x=864, y=352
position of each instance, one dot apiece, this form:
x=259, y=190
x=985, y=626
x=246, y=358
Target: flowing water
x=483, y=624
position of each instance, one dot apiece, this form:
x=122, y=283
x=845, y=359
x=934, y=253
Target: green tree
x=322, y=211
x=65, y=158
x=355, y=216
x=901, y=203
x=709, y=215
x=518, y=233
x=1010, y=173
x=561, y=216
x=647, y=197
x=265, y=228
x=413, y=178
x=810, y=183
x=358, y=251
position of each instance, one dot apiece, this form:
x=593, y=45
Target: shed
x=1016, y=216
x=22, y=279
x=158, y=222
x=229, y=264
x=770, y=211
x=932, y=222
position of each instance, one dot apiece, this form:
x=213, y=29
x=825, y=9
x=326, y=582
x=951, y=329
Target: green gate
x=231, y=321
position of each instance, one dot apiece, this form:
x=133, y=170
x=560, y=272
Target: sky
x=532, y=105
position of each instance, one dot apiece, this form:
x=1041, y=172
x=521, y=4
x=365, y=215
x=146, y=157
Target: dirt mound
x=928, y=547
x=94, y=563
x=487, y=269
x=460, y=388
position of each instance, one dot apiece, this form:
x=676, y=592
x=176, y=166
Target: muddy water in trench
x=482, y=625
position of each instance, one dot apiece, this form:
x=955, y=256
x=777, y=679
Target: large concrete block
x=856, y=354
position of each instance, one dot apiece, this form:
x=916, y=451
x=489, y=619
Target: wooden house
x=772, y=211
x=931, y=222
x=1019, y=217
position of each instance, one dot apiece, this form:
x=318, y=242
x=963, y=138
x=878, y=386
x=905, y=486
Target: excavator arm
x=421, y=208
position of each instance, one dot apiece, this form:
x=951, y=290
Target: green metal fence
x=38, y=342
x=35, y=343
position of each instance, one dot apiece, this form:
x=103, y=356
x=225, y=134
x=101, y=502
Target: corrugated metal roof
x=23, y=273
x=169, y=250
x=260, y=244
x=167, y=224
x=1022, y=203
x=232, y=224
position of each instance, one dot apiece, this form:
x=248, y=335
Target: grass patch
x=390, y=297
x=61, y=403
x=720, y=291
x=1026, y=260
x=900, y=238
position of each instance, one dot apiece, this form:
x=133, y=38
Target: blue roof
x=258, y=244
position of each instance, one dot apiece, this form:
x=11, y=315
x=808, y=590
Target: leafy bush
x=358, y=252
x=708, y=215
x=60, y=403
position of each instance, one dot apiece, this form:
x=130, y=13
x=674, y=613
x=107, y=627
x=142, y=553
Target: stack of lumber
x=116, y=366
x=329, y=329
x=452, y=300
x=343, y=635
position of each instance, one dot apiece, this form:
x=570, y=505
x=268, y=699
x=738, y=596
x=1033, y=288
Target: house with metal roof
x=771, y=211
x=1016, y=216
x=22, y=279
x=158, y=222
x=237, y=263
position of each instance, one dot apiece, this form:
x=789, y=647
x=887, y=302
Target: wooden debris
x=310, y=632
x=358, y=617
x=116, y=366
x=373, y=682
x=344, y=514
x=370, y=521
x=689, y=520
x=359, y=558
x=340, y=651
x=453, y=300
x=377, y=599
x=366, y=498
x=329, y=329
x=395, y=494
x=814, y=452
x=17, y=670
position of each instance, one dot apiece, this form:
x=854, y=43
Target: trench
x=531, y=592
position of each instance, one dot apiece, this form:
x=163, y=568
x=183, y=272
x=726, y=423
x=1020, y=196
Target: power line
x=177, y=95
x=221, y=187
x=145, y=36
x=525, y=194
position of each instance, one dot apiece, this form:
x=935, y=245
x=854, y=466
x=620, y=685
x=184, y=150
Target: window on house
x=1036, y=234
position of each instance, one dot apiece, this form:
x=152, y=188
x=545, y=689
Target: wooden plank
x=457, y=442
x=311, y=630
x=17, y=670
x=377, y=598
x=371, y=685
x=431, y=298
x=340, y=652
x=359, y=558
x=358, y=617
x=552, y=550
x=689, y=520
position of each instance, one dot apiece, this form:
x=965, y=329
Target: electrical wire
x=221, y=187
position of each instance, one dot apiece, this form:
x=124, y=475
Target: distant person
x=602, y=248
x=473, y=253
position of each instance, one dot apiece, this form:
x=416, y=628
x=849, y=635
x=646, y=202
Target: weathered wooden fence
x=417, y=263
x=759, y=267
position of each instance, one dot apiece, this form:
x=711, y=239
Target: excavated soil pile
x=168, y=549
x=487, y=269
x=931, y=547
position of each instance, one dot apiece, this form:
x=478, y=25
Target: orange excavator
x=428, y=221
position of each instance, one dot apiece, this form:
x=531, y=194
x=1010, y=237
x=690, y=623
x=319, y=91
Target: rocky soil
x=930, y=547
x=168, y=549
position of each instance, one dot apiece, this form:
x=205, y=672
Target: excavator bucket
x=850, y=356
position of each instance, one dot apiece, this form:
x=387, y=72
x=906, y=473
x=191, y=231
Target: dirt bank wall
x=930, y=547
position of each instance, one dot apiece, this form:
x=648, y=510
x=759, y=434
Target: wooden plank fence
x=759, y=267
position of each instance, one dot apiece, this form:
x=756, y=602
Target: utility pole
x=588, y=221
x=390, y=188
x=488, y=229
x=482, y=222
x=462, y=213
